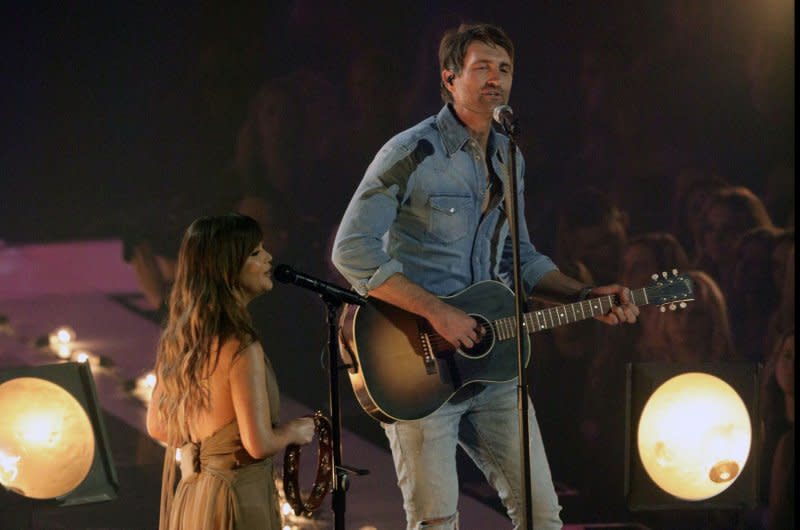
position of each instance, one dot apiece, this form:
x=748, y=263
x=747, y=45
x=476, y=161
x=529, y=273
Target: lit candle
x=83, y=356
x=62, y=335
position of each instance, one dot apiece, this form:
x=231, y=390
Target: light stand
x=511, y=129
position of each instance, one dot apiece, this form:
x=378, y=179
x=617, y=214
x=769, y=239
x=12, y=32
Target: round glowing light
x=62, y=335
x=83, y=356
x=694, y=436
x=63, y=351
x=46, y=439
x=143, y=387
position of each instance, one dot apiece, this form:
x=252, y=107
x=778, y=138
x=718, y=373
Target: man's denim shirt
x=417, y=211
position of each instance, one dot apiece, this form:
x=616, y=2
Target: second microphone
x=286, y=274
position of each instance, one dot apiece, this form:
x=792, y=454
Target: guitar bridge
x=427, y=353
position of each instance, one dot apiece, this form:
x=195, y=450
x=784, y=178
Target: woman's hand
x=301, y=430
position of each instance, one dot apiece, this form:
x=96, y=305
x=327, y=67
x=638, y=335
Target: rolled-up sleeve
x=358, y=250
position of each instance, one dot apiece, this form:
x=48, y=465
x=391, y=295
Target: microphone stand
x=340, y=472
x=519, y=298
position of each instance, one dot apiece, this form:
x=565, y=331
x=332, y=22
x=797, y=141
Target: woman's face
x=255, y=278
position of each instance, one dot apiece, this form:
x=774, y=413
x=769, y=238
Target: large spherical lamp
x=53, y=444
x=694, y=436
x=690, y=435
x=46, y=439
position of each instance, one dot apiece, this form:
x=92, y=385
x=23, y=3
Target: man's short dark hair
x=454, y=44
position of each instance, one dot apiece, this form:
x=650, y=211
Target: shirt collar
x=455, y=134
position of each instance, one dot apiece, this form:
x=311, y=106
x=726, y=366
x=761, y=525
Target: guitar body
x=402, y=370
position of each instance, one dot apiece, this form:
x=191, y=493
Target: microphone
x=286, y=274
x=503, y=115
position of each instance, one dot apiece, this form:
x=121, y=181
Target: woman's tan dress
x=222, y=487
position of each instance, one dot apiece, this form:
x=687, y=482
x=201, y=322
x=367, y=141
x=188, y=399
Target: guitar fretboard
x=551, y=317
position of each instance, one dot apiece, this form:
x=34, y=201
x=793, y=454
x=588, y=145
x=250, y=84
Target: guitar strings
x=488, y=328
x=439, y=341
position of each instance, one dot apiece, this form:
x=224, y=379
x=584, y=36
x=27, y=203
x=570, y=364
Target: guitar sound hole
x=487, y=341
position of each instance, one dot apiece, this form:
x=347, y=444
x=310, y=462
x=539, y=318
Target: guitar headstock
x=670, y=290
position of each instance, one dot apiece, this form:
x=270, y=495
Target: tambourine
x=324, y=479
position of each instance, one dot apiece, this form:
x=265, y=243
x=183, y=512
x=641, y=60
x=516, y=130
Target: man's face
x=484, y=81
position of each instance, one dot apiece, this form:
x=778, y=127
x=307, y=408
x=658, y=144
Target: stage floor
x=88, y=287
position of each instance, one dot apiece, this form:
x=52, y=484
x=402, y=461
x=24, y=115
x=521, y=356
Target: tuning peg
x=662, y=308
x=672, y=307
x=682, y=305
x=654, y=276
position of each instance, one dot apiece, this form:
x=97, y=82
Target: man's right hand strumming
x=457, y=327
x=454, y=325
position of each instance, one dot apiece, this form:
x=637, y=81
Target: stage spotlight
x=690, y=435
x=53, y=442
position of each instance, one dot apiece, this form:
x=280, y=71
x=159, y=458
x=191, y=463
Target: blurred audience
x=779, y=195
x=591, y=234
x=652, y=253
x=725, y=216
x=782, y=248
x=560, y=360
x=777, y=426
x=752, y=294
x=592, y=230
x=692, y=188
x=151, y=243
x=698, y=333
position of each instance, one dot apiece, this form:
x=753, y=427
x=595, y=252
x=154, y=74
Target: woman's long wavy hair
x=205, y=310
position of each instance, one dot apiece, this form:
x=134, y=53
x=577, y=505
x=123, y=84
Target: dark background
x=109, y=108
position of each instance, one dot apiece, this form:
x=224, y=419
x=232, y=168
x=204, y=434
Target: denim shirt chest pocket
x=450, y=216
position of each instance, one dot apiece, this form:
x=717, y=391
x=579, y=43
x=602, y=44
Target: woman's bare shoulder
x=235, y=349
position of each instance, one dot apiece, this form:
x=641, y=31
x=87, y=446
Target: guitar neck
x=553, y=317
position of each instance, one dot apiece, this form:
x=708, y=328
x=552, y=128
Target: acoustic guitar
x=401, y=369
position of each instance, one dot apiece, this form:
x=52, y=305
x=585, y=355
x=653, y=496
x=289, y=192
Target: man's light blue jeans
x=485, y=425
